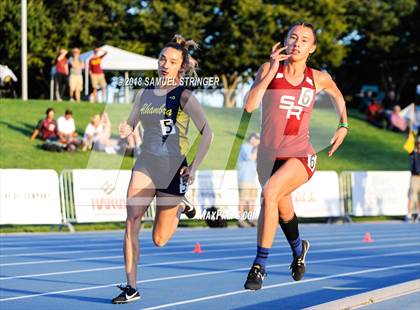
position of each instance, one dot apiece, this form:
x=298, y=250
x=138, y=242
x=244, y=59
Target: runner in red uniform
x=286, y=113
x=286, y=159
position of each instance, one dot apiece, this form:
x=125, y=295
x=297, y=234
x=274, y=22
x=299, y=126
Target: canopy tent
x=118, y=60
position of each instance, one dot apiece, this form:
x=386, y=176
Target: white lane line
x=314, y=243
x=175, y=240
x=118, y=237
x=341, y=275
x=15, y=244
x=119, y=241
x=209, y=273
x=59, y=252
x=184, y=231
x=142, y=255
x=198, y=261
x=343, y=288
x=171, y=244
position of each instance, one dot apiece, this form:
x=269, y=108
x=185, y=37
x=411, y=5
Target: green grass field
x=366, y=147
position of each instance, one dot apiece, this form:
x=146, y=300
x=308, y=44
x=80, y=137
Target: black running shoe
x=298, y=264
x=255, y=278
x=189, y=209
x=128, y=294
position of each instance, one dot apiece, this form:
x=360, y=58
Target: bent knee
x=269, y=197
x=159, y=241
x=274, y=193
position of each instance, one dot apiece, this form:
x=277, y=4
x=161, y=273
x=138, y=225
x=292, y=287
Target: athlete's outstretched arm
x=323, y=81
x=127, y=128
x=193, y=108
x=264, y=76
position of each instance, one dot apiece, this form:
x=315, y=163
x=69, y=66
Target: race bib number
x=306, y=96
x=312, y=162
x=167, y=126
x=183, y=185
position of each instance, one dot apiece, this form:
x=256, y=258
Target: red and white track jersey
x=286, y=113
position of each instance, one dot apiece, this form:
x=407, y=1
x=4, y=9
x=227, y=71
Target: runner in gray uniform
x=165, y=143
x=161, y=170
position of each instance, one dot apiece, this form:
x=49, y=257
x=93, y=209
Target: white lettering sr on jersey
x=287, y=102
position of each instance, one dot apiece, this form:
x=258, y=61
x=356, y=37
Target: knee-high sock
x=291, y=231
x=262, y=255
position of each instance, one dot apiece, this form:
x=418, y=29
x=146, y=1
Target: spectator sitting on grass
x=374, y=113
x=67, y=131
x=97, y=135
x=130, y=146
x=111, y=145
x=396, y=122
x=47, y=127
x=106, y=124
x=7, y=80
x=93, y=132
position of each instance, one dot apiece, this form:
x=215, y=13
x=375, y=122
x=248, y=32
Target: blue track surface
x=80, y=271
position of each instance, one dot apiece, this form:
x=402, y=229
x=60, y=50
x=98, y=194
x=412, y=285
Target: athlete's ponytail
x=189, y=64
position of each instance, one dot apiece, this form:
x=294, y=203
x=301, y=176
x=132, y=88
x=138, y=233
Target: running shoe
x=128, y=294
x=189, y=209
x=255, y=278
x=298, y=264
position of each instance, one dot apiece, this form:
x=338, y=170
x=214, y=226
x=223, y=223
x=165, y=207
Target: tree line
x=359, y=41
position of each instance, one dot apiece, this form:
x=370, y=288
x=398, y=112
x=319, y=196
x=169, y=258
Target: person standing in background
x=61, y=75
x=414, y=191
x=97, y=75
x=76, y=78
x=247, y=180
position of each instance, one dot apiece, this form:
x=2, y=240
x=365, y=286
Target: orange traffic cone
x=367, y=238
x=197, y=248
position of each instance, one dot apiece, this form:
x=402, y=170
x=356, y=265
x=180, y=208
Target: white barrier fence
x=29, y=197
x=100, y=195
x=215, y=188
x=86, y=195
x=380, y=192
x=95, y=195
x=320, y=197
